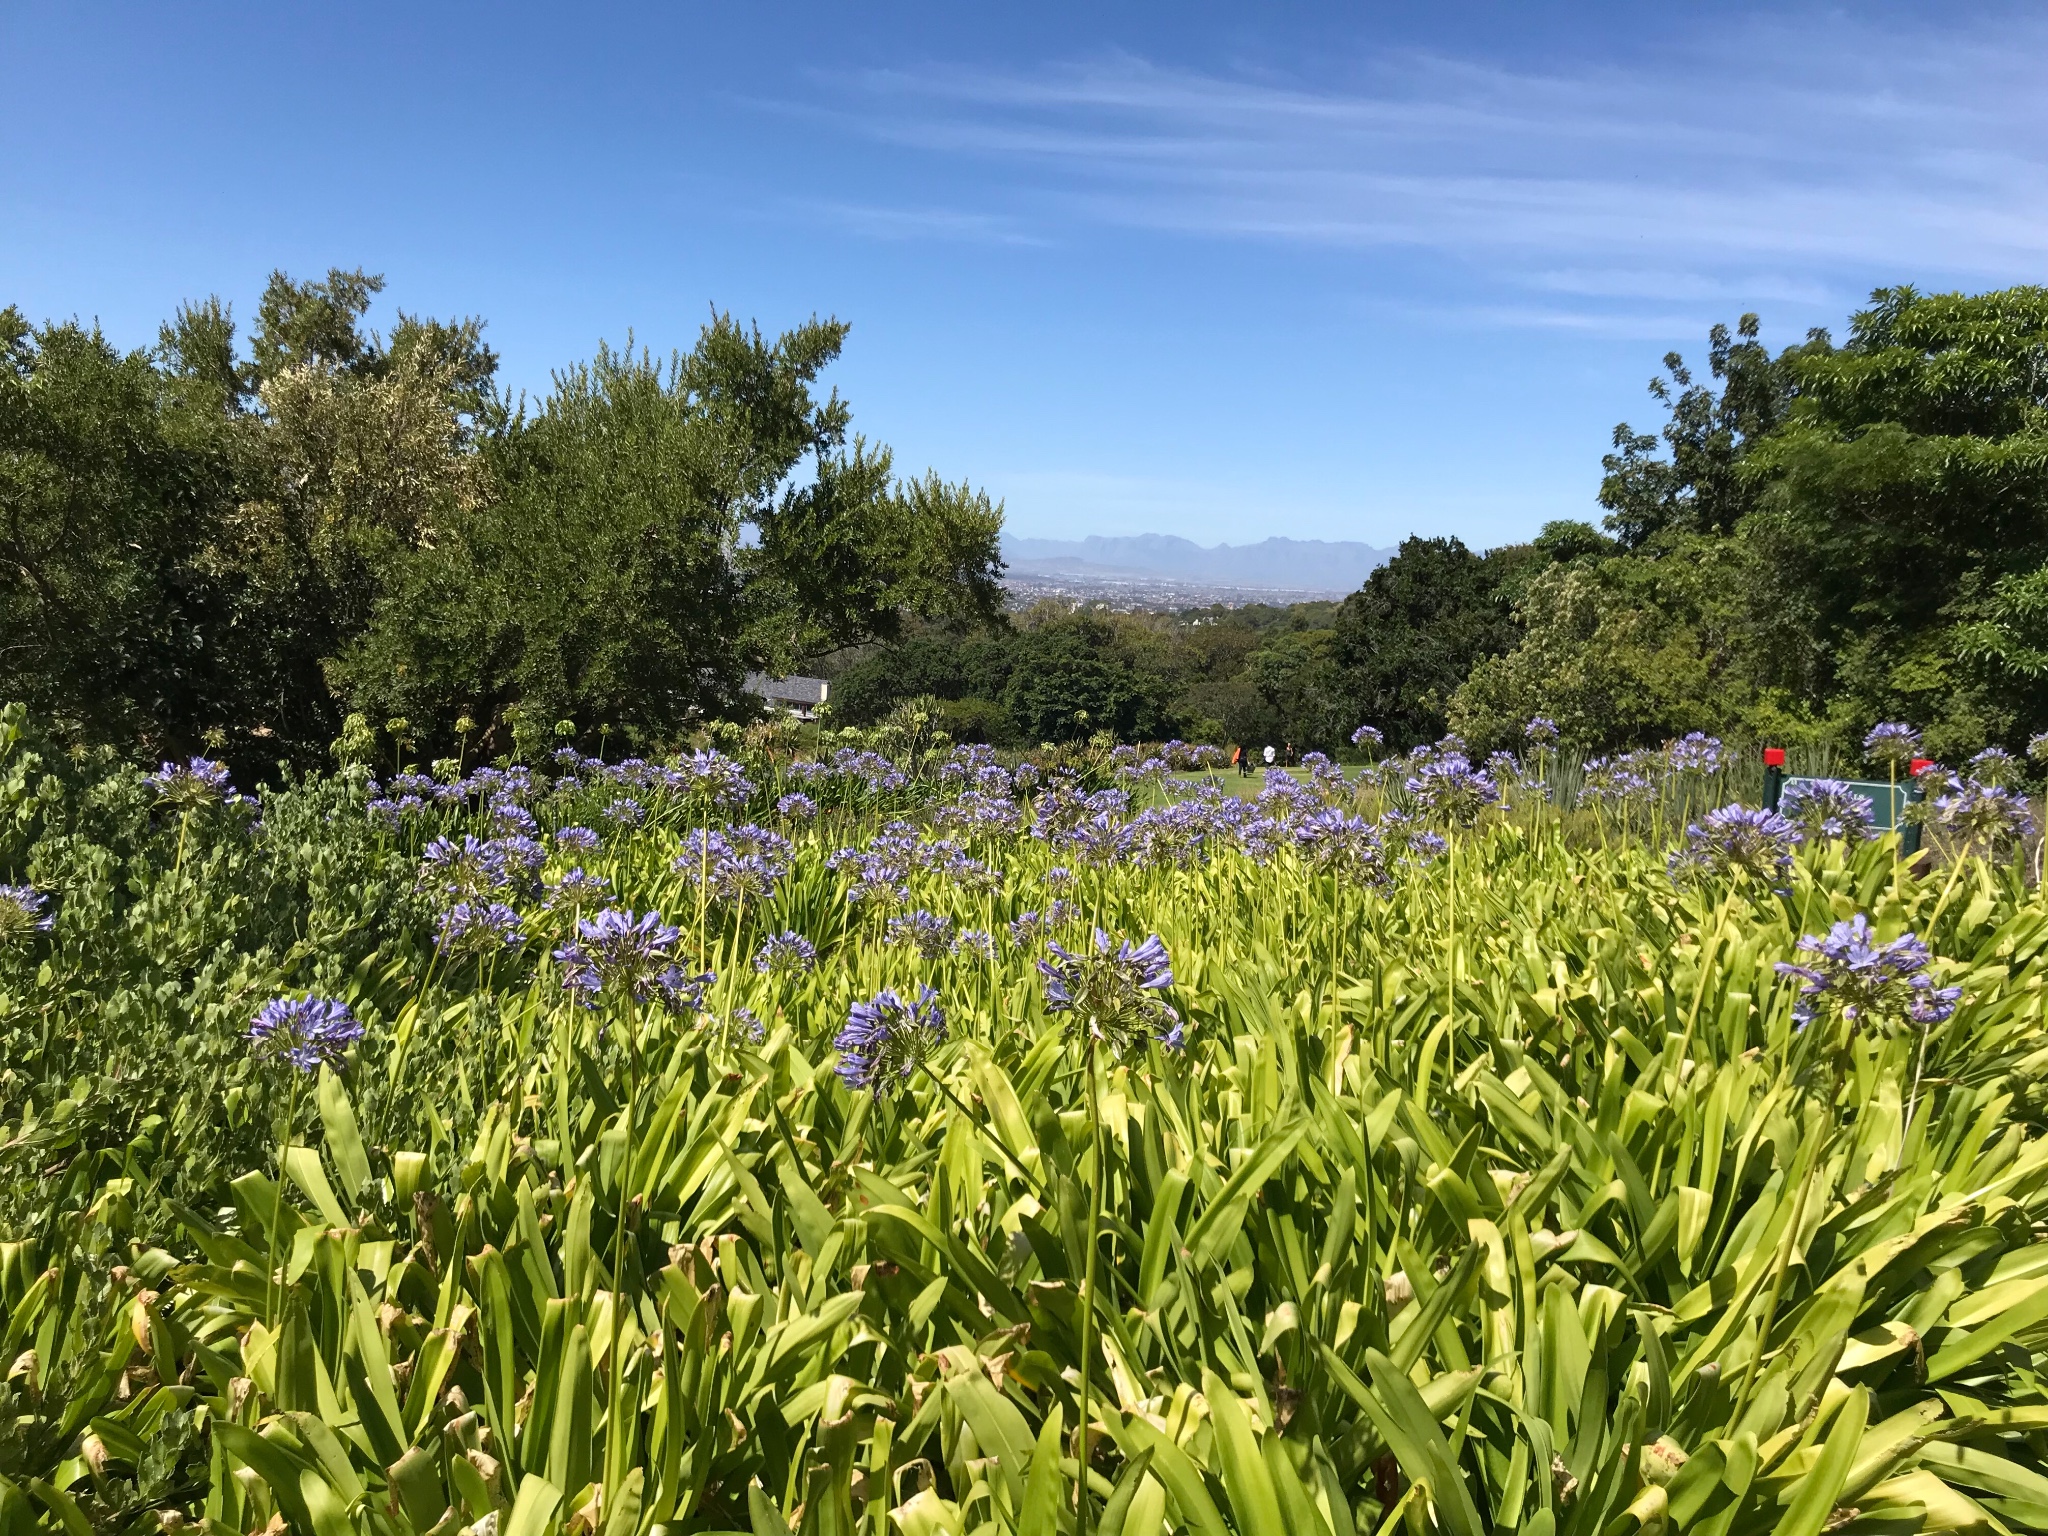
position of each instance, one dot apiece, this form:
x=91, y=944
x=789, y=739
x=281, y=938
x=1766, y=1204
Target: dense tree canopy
x=1840, y=534
x=206, y=546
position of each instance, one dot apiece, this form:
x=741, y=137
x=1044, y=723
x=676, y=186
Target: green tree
x=1067, y=682
x=1896, y=506
x=1408, y=637
x=654, y=531
x=1698, y=486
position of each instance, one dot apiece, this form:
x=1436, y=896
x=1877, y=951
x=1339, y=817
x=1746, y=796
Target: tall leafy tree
x=1687, y=477
x=1408, y=637
x=657, y=529
x=1901, y=505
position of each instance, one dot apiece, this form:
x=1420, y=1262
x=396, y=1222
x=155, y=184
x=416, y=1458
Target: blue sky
x=1219, y=270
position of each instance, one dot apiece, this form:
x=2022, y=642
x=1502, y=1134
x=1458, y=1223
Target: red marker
x=1774, y=757
x=1920, y=765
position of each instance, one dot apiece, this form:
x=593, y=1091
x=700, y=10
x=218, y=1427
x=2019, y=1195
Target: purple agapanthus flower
x=1696, y=754
x=1982, y=816
x=1877, y=987
x=1828, y=808
x=926, y=932
x=22, y=911
x=188, y=785
x=574, y=891
x=620, y=954
x=577, y=837
x=625, y=812
x=886, y=1039
x=1737, y=841
x=1892, y=742
x=1343, y=845
x=1109, y=993
x=787, y=953
x=1541, y=731
x=1994, y=766
x=2037, y=747
x=479, y=928
x=305, y=1032
x=1368, y=738
x=1449, y=788
x=978, y=942
x=797, y=807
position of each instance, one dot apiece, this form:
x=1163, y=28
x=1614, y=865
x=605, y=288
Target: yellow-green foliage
x=1509, y=1198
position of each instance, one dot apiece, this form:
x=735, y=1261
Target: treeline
x=1812, y=540
x=235, y=548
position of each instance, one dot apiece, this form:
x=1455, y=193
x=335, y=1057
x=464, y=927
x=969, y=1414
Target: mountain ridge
x=1283, y=564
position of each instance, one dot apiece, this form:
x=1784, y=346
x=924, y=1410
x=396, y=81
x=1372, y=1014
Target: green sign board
x=1887, y=801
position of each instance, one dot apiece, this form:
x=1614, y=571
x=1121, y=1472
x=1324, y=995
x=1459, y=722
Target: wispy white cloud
x=1791, y=150
x=882, y=222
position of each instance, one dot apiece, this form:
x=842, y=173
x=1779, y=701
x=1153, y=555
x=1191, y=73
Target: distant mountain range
x=1318, y=566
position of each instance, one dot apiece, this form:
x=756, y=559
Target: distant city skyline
x=1346, y=273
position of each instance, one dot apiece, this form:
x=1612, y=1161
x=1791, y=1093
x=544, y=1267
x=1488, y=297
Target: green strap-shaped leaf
x=533, y=1511
x=1823, y=1486
x=1043, y=1489
x=1217, y=1227
x=1254, y=1504
x=344, y=1140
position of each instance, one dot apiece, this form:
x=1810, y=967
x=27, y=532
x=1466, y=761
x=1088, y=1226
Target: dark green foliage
x=1409, y=636
x=1699, y=488
x=201, y=548
x=1066, y=684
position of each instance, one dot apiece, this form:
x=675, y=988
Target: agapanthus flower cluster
x=742, y=1021
x=475, y=866
x=975, y=767
x=2037, y=748
x=926, y=932
x=513, y=819
x=795, y=806
x=1449, y=789
x=886, y=1039
x=1347, y=846
x=1737, y=841
x=305, y=1032
x=981, y=815
x=189, y=785
x=709, y=779
x=1541, y=731
x=1111, y=993
x=1981, y=817
x=787, y=953
x=24, y=910
x=624, y=812
x=1368, y=739
x=574, y=891
x=1621, y=784
x=620, y=955
x=737, y=865
x=1063, y=806
x=1695, y=755
x=1995, y=766
x=1892, y=742
x=1878, y=987
x=1167, y=836
x=479, y=929
x=1031, y=929
x=880, y=878
x=1829, y=808
x=583, y=838
x=873, y=770
x=392, y=814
